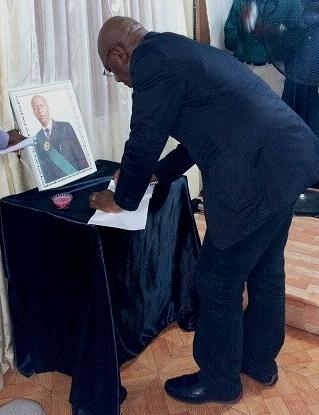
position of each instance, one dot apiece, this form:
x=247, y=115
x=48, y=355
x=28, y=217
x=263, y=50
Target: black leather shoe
x=188, y=389
x=266, y=381
x=123, y=394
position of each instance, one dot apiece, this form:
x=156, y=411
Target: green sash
x=61, y=162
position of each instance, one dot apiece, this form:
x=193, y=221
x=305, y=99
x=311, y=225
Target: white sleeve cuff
x=4, y=140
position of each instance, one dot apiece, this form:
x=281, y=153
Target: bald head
x=40, y=109
x=119, y=30
x=38, y=98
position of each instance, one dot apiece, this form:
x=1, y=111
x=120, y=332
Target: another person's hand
x=244, y=18
x=104, y=200
x=15, y=137
x=116, y=176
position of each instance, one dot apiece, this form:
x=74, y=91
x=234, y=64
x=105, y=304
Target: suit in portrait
x=58, y=151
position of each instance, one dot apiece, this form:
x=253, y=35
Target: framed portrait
x=60, y=153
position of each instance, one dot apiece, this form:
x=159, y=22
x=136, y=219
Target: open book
x=132, y=221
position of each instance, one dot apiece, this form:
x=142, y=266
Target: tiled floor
x=296, y=393
x=302, y=274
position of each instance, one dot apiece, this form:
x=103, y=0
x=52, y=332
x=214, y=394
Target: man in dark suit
x=256, y=156
x=57, y=147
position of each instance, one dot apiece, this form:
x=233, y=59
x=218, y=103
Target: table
x=85, y=299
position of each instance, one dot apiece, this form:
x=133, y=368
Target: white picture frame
x=50, y=115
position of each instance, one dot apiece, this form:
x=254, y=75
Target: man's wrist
x=116, y=207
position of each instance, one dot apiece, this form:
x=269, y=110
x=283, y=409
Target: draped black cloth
x=85, y=299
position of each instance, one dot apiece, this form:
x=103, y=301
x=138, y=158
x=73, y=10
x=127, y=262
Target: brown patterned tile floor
x=296, y=393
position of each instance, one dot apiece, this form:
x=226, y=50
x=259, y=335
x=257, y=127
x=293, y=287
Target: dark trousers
x=227, y=339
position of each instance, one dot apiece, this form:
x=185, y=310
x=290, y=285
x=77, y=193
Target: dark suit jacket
x=255, y=154
x=64, y=140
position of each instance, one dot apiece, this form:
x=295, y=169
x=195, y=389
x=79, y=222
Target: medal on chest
x=46, y=146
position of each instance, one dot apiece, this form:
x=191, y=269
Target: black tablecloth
x=84, y=299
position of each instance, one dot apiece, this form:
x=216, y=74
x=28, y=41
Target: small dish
x=62, y=200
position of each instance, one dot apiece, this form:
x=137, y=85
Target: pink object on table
x=62, y=200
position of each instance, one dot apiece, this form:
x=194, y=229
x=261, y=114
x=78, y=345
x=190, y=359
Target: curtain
x=18, y=66
x=44, y=41
x=67, y=33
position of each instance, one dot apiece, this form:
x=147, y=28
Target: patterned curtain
x=45, y=41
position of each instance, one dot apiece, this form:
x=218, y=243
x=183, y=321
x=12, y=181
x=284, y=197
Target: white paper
x=24, y=143
x=132, y=221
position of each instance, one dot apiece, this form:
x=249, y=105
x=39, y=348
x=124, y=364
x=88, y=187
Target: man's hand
x=116, y=176
x=104, y=201
x=15, y=137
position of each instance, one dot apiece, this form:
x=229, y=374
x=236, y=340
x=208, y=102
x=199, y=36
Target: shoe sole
x=272, y=382
x=206, y=401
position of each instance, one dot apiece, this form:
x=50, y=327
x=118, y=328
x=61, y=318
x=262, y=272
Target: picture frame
x=50, y=114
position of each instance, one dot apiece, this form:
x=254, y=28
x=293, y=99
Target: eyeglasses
x=107, y=73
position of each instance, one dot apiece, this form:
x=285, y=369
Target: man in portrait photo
x=57, y=147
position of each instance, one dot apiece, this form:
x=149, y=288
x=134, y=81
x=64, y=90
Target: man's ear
x=121, y=54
